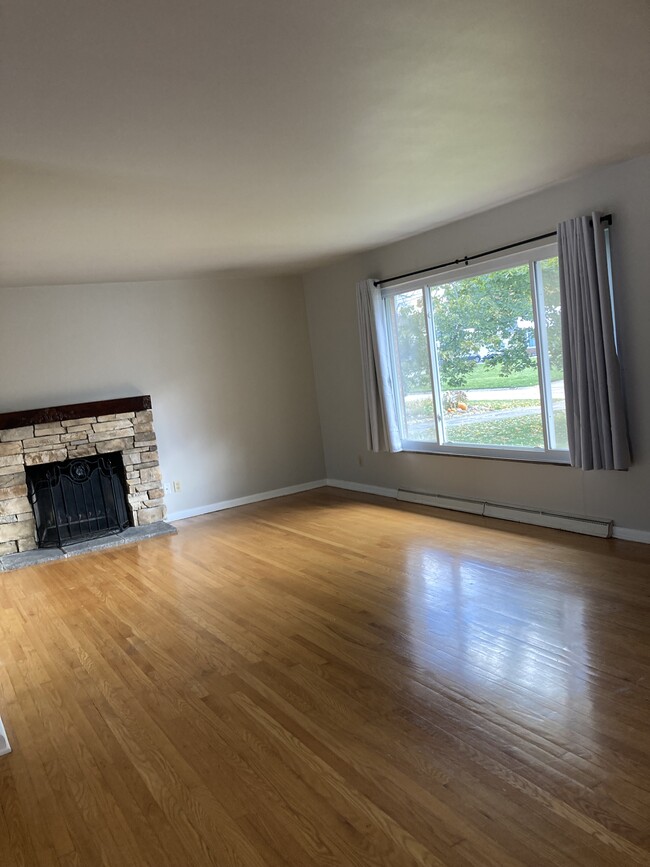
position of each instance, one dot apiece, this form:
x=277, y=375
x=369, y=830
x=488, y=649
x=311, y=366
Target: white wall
x=624, y=190
x=227, y=364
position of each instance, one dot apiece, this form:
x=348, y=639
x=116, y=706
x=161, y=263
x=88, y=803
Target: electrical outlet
x=177, y=486
x=167, y=488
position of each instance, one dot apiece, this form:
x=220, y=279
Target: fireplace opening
x=78, y=499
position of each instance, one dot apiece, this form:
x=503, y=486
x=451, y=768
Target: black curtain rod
x=465, y=259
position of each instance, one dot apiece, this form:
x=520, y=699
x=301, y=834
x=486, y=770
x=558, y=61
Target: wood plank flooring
x=329, y=680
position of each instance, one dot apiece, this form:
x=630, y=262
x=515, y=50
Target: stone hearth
x=55, y=434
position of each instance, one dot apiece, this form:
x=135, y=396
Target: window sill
x=531, y=456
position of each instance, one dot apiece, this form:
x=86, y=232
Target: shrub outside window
x=476, y=355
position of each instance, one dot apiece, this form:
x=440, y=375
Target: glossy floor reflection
x=498, y=631
x=329, y=680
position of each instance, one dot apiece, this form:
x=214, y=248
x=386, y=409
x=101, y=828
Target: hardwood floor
x=329, y=680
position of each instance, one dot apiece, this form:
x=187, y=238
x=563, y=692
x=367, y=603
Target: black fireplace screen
x=78, y=499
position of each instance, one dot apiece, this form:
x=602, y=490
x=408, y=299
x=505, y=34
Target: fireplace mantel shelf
x=26, y=417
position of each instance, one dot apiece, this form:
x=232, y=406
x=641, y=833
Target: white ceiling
x=148, y=138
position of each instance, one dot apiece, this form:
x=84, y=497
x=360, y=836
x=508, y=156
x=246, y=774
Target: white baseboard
x=244, y=501
x=627, y=534
x=364, y=489
x=279, y=492
x=4, y=740
x=587, y=526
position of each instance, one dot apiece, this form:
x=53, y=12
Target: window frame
x=529, y=256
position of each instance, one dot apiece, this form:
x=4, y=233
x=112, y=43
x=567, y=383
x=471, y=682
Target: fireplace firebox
x=78, y=499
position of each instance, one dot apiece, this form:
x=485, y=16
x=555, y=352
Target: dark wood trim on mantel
x=74, y=410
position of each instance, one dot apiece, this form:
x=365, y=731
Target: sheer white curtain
x=592, y=378
x=382, y=429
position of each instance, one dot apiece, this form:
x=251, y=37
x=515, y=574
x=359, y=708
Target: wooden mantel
x=26, y=417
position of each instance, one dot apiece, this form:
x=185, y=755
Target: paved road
x=527, y=392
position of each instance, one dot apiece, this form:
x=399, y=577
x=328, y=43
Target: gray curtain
x=592, y=379
x=382, y=429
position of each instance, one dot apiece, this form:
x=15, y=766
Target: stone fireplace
x=59, y=434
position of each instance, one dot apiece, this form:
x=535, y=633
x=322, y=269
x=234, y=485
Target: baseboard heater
x=587, y=526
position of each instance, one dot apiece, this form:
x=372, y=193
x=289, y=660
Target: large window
x=477, y=359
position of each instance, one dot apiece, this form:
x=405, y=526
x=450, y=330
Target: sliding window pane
x=548, y=273
x=487, y=357
x=411, y=351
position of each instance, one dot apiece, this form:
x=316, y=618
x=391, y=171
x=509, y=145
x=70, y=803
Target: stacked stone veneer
x=130, y=433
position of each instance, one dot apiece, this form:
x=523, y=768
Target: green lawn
x=524, y=431
x=485, y=376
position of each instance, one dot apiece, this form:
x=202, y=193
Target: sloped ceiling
x=148, y=138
